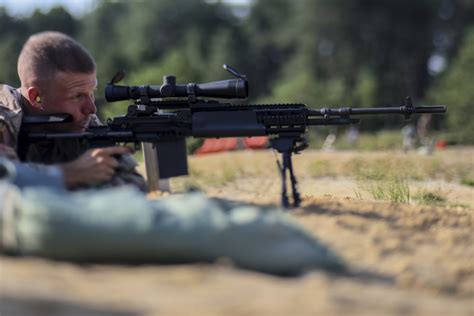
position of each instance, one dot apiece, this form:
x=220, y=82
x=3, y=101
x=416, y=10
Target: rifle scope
x=226, y=89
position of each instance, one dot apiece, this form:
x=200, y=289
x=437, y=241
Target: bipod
x=287, y=146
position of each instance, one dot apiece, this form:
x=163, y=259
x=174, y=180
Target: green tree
x=15, y=31
x=268, y=43
x=12, y=34
x=456, y=90
x=387, y=44
x=56, y=19
x=146, y=38
x=100, y=33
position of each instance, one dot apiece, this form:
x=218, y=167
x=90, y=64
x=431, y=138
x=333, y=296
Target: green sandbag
x=121, y=225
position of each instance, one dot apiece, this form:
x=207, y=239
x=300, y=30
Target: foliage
x=454, y=167
x=425, y=197
x=467, y=181
x=456, y=89
x=394, y=190
x=14, y=32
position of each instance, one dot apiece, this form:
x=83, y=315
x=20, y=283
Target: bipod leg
x=284, y=195
x=286, y=146
x=294, y=188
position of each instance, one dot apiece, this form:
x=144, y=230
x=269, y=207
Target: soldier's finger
x=115, y=150
x=104, y=163
x=104, y=174
x=109, y=173
x=110, y=161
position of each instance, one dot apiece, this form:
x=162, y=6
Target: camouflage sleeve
x=26, y=175
x=11, y=114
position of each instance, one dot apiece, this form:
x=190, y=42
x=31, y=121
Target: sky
x=26, y=7
x=76, y=7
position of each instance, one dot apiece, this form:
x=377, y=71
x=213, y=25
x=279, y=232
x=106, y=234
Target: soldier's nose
x=89, y=107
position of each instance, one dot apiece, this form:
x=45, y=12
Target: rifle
x=166, y=114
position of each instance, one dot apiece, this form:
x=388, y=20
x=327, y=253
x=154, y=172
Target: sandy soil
x=405, y=260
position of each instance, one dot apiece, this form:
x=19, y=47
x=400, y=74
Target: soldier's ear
x=35, y=98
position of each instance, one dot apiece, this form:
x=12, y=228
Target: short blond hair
x=47, y=53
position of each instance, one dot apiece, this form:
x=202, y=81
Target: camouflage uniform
x=12, y=105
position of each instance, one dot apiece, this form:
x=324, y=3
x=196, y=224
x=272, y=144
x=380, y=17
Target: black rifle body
x=156, y=121
x=168, y=123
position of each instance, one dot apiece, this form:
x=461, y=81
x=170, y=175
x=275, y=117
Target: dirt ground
x=405, y=259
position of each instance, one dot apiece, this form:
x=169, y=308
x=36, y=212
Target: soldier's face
x=71, y=93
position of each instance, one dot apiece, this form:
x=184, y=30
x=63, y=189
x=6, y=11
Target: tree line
x=359, y=53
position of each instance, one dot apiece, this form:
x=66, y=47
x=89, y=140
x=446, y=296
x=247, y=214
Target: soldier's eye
x=76, y=97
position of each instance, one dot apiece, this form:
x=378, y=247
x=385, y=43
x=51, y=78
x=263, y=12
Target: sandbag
x=120, y=225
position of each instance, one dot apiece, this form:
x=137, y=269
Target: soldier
x=409, y=137
x=58, y=75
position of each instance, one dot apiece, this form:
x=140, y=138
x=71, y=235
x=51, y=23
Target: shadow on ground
x=45, y=307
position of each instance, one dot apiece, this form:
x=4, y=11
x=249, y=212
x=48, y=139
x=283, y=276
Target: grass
x=384, y=140
x=388, y=176
x=444, y=165
x=468, y=181
x=321, y=168
x=223, y=168
x=425, y=197
x=395, y=190
x=220, y=176
x=451, y=167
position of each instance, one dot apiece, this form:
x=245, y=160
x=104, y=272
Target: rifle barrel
x=377, y=110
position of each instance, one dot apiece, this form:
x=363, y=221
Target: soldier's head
x=58, y=74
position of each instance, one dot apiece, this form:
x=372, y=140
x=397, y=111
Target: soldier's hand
x=7, y=151
x=95, y=166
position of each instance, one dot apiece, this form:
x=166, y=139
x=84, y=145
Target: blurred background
x=325, y=53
